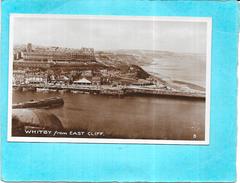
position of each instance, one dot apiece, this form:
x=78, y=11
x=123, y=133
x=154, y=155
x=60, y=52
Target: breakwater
x=109, y=90
x=160, y=92
x=44, y=103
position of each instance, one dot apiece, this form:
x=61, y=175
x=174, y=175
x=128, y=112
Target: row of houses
x=55, y=55
x=21, y=77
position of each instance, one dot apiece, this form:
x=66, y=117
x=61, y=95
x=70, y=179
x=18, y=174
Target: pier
x=109, y=90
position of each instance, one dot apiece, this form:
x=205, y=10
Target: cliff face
x=138, y=72
x=128, y=64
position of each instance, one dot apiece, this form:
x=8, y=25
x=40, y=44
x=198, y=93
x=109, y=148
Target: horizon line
x=39, y=45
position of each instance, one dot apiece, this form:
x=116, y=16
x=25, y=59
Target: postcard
x=109, y=79
x=118, y=91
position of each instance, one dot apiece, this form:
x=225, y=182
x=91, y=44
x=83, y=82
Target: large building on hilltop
x=56, y=54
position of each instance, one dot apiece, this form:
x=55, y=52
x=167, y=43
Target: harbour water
x=128, y=117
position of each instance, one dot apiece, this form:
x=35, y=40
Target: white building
x=82, y=81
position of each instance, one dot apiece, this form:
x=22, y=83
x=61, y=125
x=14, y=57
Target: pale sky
x=187, y=37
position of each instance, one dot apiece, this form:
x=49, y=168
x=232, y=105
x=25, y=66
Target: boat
x=44, y=103
x=53, y=90
x=77, y=91
x=28, y=89
x=42, y=89
x=63, y=91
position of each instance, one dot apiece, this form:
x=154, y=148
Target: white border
x=208, y=20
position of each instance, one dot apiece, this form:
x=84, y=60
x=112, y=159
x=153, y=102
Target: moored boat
x=42, y=89
x=28, y=89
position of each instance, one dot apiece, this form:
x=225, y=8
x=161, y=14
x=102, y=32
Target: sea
x=187, y=68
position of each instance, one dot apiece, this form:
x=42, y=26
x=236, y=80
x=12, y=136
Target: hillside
x=141, y=57
x=123, y=66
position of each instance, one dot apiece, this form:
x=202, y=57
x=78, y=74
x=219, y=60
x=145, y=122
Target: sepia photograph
x=109, y=79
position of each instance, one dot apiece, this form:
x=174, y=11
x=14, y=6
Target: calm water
x=128, y=117
x=184, y=68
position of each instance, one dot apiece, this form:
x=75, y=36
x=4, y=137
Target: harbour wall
x=115, y=91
